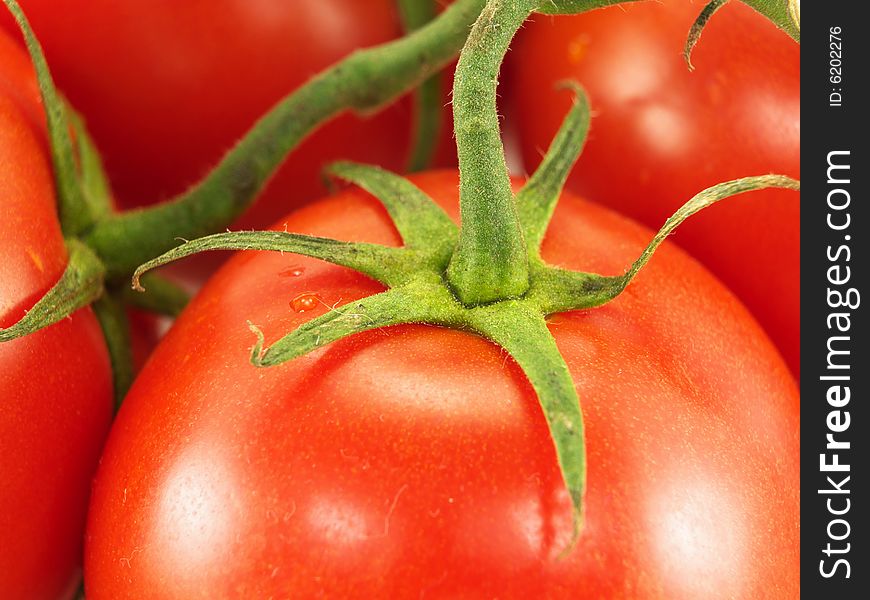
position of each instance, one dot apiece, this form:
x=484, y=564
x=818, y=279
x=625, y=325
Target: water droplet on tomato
x=293, y=271
x=303, y=302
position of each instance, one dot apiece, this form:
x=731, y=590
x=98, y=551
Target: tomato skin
x=55, y=385
x=661, y=133
x=415, y=460
x=167, y=87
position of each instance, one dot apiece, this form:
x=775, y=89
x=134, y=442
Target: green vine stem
x=427, y=98
x=116, y=331
x=364, y=81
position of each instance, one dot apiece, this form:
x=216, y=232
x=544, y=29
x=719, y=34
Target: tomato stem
x=490, y=262
x=116, y=331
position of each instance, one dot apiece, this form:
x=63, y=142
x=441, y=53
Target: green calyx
x=419, y=292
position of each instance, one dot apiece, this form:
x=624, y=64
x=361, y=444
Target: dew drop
x=304, y=302
x=293, y=272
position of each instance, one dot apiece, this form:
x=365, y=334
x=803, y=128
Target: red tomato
x=416, y=460
x=166, y=87
x=662, y=133
x=55, y=385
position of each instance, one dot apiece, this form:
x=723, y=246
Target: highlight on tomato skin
x=416, y=458
x=661, y=132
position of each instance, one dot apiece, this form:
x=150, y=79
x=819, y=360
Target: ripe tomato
x=661, y=133
x=416, y=460
x=56, y=384
x=166, y=87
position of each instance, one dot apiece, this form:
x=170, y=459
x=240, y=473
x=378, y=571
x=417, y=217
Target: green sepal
x=418, y=219
x=698, y=27
x=702, y=200
x=572, y=291
x=420, y=301
x=381, y=263
x=92, y=176
x=538, y=198
x=80, y=284
x=522, y=332
x=74, y=209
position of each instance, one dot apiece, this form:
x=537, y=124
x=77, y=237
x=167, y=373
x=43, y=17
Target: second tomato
x=661, y=133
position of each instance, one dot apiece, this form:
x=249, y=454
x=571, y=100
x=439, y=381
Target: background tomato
x=166, y=87
x=56, y=384
x=661, y=133
x=416, y=460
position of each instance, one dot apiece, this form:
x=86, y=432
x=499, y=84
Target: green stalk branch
x=490, y=262
x=364, y=81
x=428, y=103
x=116, y=331
x=571, y=7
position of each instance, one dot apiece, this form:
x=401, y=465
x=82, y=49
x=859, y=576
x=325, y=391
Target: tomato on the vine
x=661, y=133
x=416, y=460
x=55, y=384
x=167, y=87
